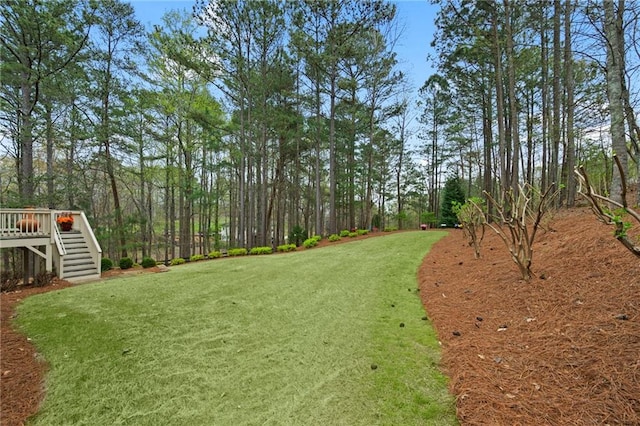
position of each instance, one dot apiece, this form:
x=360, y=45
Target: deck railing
x=28, y=227
x=17, y=223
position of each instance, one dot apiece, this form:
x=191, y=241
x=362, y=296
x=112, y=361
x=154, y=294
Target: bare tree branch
x=604, y=213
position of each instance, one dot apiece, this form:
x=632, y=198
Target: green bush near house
x=106, y=264
x=344, y=233
x=362, y=231
x=177, y=261
x=196, y=257
x=125, y=263
x=334, y=237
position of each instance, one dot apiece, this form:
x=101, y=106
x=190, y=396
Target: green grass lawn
x=264, y=340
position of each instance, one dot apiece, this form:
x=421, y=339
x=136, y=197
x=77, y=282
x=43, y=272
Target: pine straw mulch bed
x=562, y=349
x=21, y=371
x=566, y=355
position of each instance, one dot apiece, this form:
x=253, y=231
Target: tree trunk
x=557, y=95
x=571, y=149
x=544, y=178
x=613, y=31
x=487, y=133
x=513, y=101
x=25, y=177
x=497, y=58
x=333, y=180
x=51, y=196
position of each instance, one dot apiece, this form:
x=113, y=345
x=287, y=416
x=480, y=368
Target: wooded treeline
x=229, y=125
x=526, y=90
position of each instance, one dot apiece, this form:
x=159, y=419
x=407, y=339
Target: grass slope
x=270, y=340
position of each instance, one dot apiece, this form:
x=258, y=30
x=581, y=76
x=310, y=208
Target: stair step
x=78, y=261
x=80, y=255
x=68, y=235
x=77, y=250
x=72, y=239
x=76, y=247
x=74, y=243
x=79, y=267
x=81, y=273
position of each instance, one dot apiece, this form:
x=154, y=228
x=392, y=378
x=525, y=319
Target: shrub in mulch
x=560, y=349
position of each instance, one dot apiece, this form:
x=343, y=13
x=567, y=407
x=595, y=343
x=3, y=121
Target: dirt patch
x=116, y=272
x=563, y=349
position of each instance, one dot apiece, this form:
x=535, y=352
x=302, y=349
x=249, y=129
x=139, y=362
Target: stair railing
x=92, y=242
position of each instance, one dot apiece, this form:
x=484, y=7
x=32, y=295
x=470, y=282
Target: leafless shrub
x=472, y=217
x=9, y=280
x=43, y=278
x=520, y=216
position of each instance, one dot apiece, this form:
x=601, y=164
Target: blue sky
x=416, y=16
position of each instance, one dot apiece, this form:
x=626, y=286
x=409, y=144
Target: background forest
x=238, y=123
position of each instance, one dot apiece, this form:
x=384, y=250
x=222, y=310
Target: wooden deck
x=37, y=231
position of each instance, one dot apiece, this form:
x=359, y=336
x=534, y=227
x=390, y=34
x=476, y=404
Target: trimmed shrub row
x=237, y=252
x=312, y=242
x=148, y=262
x=261, y=250
x=286, y=247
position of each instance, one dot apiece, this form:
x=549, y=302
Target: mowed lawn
x=325, y=336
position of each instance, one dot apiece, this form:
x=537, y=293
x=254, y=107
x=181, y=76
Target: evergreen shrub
x=453, y=193
x=125, y=263
x=297, y=235
x=148, y=262
x=106, y=264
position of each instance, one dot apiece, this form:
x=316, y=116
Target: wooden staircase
x=77, y=263
x=74, y=255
